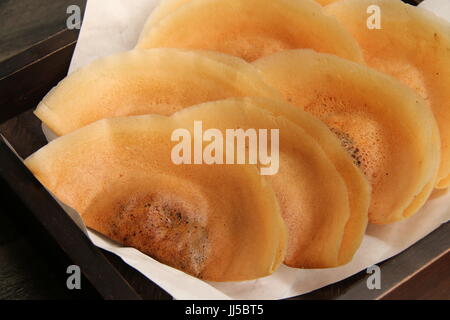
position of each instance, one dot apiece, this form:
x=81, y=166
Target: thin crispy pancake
x=358, y=187
x=157, y=81
x=325, y=2
x=312, y=194
x=413, y=45
x=249, y=29
x=384, y=125
x=219, y=223
x=166, y=7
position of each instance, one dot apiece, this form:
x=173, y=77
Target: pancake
x=325, y=2
x=218, y=223
x=413, y=45
x=357, y=185
x=249, y=29
x=323, y=231
x=384, y=125
x=157, y=81
x=166, y=7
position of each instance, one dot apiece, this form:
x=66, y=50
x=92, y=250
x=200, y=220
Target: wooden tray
x=420, y=272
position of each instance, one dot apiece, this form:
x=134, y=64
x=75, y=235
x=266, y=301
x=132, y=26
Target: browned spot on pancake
x=349, y=145
x=164, y=229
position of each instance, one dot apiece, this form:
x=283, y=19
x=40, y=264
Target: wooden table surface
x=30, y=268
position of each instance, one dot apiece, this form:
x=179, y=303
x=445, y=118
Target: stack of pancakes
x=363, y=116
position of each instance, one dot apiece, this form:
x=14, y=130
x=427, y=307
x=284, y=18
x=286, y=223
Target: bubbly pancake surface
x=249, y=29
x=358, y=187
x=413, y=45
x=385, y=126
x=219, y=223
x=157, y=81
x=323, y=231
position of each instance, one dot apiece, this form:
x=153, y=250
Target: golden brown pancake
x=249, y=29
x=325, y=226
x=166, y=7
x=219, y=223
x=385, y=126
x=157, y=81
x=325, y=2
x=413, y=45
x=358, y=187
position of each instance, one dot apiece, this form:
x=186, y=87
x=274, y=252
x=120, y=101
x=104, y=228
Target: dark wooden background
x=26, y=22
x=31, y=266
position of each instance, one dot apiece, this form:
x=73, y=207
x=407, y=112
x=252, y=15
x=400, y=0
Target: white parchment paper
x=111, y=26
